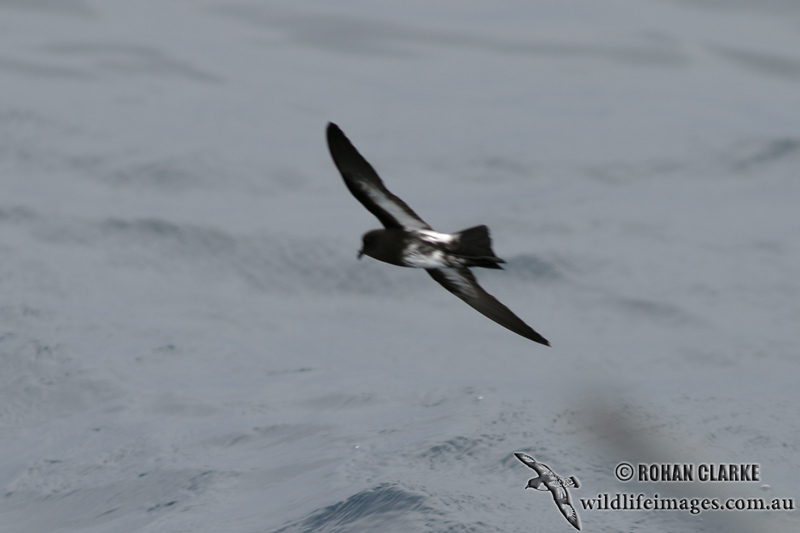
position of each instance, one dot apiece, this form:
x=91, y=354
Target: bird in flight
x=557, y=485
x=406, y=240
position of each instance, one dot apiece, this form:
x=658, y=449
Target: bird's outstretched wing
x=569, y=512
x=462, y=283
x=367, y=187
x=526, y=459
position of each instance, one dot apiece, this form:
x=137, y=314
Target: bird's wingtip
x=334, y=134
x=535, y=337
x=525, y=458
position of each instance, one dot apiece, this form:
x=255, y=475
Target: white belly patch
x=420, y=256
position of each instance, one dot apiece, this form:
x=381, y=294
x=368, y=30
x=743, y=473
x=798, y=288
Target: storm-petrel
x=408, y=241
x=557, y=485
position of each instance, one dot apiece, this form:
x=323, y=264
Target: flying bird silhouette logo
x=557, y=485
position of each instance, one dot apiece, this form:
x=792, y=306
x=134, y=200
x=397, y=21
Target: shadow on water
x=630, y=433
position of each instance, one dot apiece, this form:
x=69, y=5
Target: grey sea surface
x=188, y=343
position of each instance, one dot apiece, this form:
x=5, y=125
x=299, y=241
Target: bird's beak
x=360, y=253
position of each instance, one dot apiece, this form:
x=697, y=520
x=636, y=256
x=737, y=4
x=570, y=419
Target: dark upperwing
x=366, y=185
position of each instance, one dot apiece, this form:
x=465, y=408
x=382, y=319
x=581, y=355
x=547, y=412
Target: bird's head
x=369, y=243
x=534, y=483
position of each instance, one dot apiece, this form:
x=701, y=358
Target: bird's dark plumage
x=366, y=185
x=407, y=240
x=462, y=283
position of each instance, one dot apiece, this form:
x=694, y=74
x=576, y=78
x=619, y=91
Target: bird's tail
x=475, y=244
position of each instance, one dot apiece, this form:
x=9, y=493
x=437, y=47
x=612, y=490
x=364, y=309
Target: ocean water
x=188, y=342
